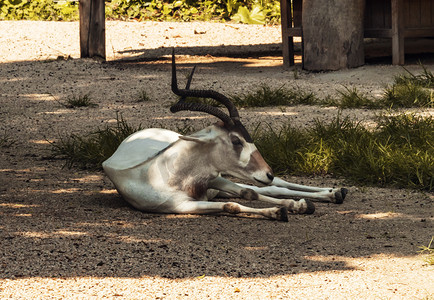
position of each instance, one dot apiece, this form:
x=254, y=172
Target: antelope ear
x=220, y=124
x=198, y=139
x=203, y=136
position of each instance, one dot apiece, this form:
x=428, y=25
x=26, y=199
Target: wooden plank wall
x=418, y=14
x=377, y=14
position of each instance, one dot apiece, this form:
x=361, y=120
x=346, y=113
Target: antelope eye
x=236, y=141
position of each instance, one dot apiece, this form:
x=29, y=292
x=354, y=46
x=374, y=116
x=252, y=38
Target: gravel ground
x=66, y=233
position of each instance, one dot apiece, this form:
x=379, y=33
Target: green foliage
x=159, y=10
x=280, y=146
x=399, y=152
x=250, y=12
x=38, y=10
x=247, y=11
x=89, y=151
x=258, y=12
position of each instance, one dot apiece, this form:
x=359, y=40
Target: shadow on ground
x=76, y=225
x=65, y=223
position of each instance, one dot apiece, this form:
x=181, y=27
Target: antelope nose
x=270, y=176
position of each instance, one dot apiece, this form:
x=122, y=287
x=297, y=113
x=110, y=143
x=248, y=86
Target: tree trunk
x=333, y=34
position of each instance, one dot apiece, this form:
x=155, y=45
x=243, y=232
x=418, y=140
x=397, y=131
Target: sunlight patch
x=381, y=215
x=184, y=216
x=257, y=248
x=17, y=205
x=40, y=97
x=180, y=118
x=89, y=178
x=22, y=215
x=277, y=113
x=107, y=192
x=45, y=235
x=66, y=191
x=42, y=142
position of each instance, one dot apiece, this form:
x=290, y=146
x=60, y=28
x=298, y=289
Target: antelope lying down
x=161, y=171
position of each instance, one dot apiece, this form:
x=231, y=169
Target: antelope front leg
x=335, y=195
x=229, y=189
x=205, y=207
x=283, y=189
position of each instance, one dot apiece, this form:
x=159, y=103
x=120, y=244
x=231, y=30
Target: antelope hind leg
x=229, y=189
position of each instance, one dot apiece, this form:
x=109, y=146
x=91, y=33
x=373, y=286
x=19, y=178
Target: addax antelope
x=161, y=171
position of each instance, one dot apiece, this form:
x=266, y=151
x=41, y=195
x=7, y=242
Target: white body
x=158, y=170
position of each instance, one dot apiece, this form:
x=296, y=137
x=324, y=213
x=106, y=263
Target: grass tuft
x=143, y=96
x=407, y=130
x=89, y=151
x=352, y=98
x=425, y=79
x=408, y=90
x=79, y=101
x=428, y=250
x=267, y=96
x=407, y=94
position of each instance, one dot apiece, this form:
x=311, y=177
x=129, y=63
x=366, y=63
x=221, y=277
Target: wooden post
x=92, y=28
x=291, y=26
x=333, y=34
x=397, y=33
x=287, y=41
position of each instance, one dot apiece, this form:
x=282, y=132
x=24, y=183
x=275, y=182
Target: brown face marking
x=257, y=162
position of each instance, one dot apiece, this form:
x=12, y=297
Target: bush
x=399, y=152
x=246, y=11
x=46, y=10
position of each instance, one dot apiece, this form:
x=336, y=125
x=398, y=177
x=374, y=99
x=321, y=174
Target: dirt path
x=65, y=233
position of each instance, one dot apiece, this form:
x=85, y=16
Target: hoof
x=344, y=193
x=282, y=214
x=340, y=196
x=310, y=207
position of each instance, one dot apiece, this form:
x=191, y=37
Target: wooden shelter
x=394, y=19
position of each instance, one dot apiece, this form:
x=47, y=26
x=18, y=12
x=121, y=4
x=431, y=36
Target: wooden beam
x=92, y=28
x=378, y=33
